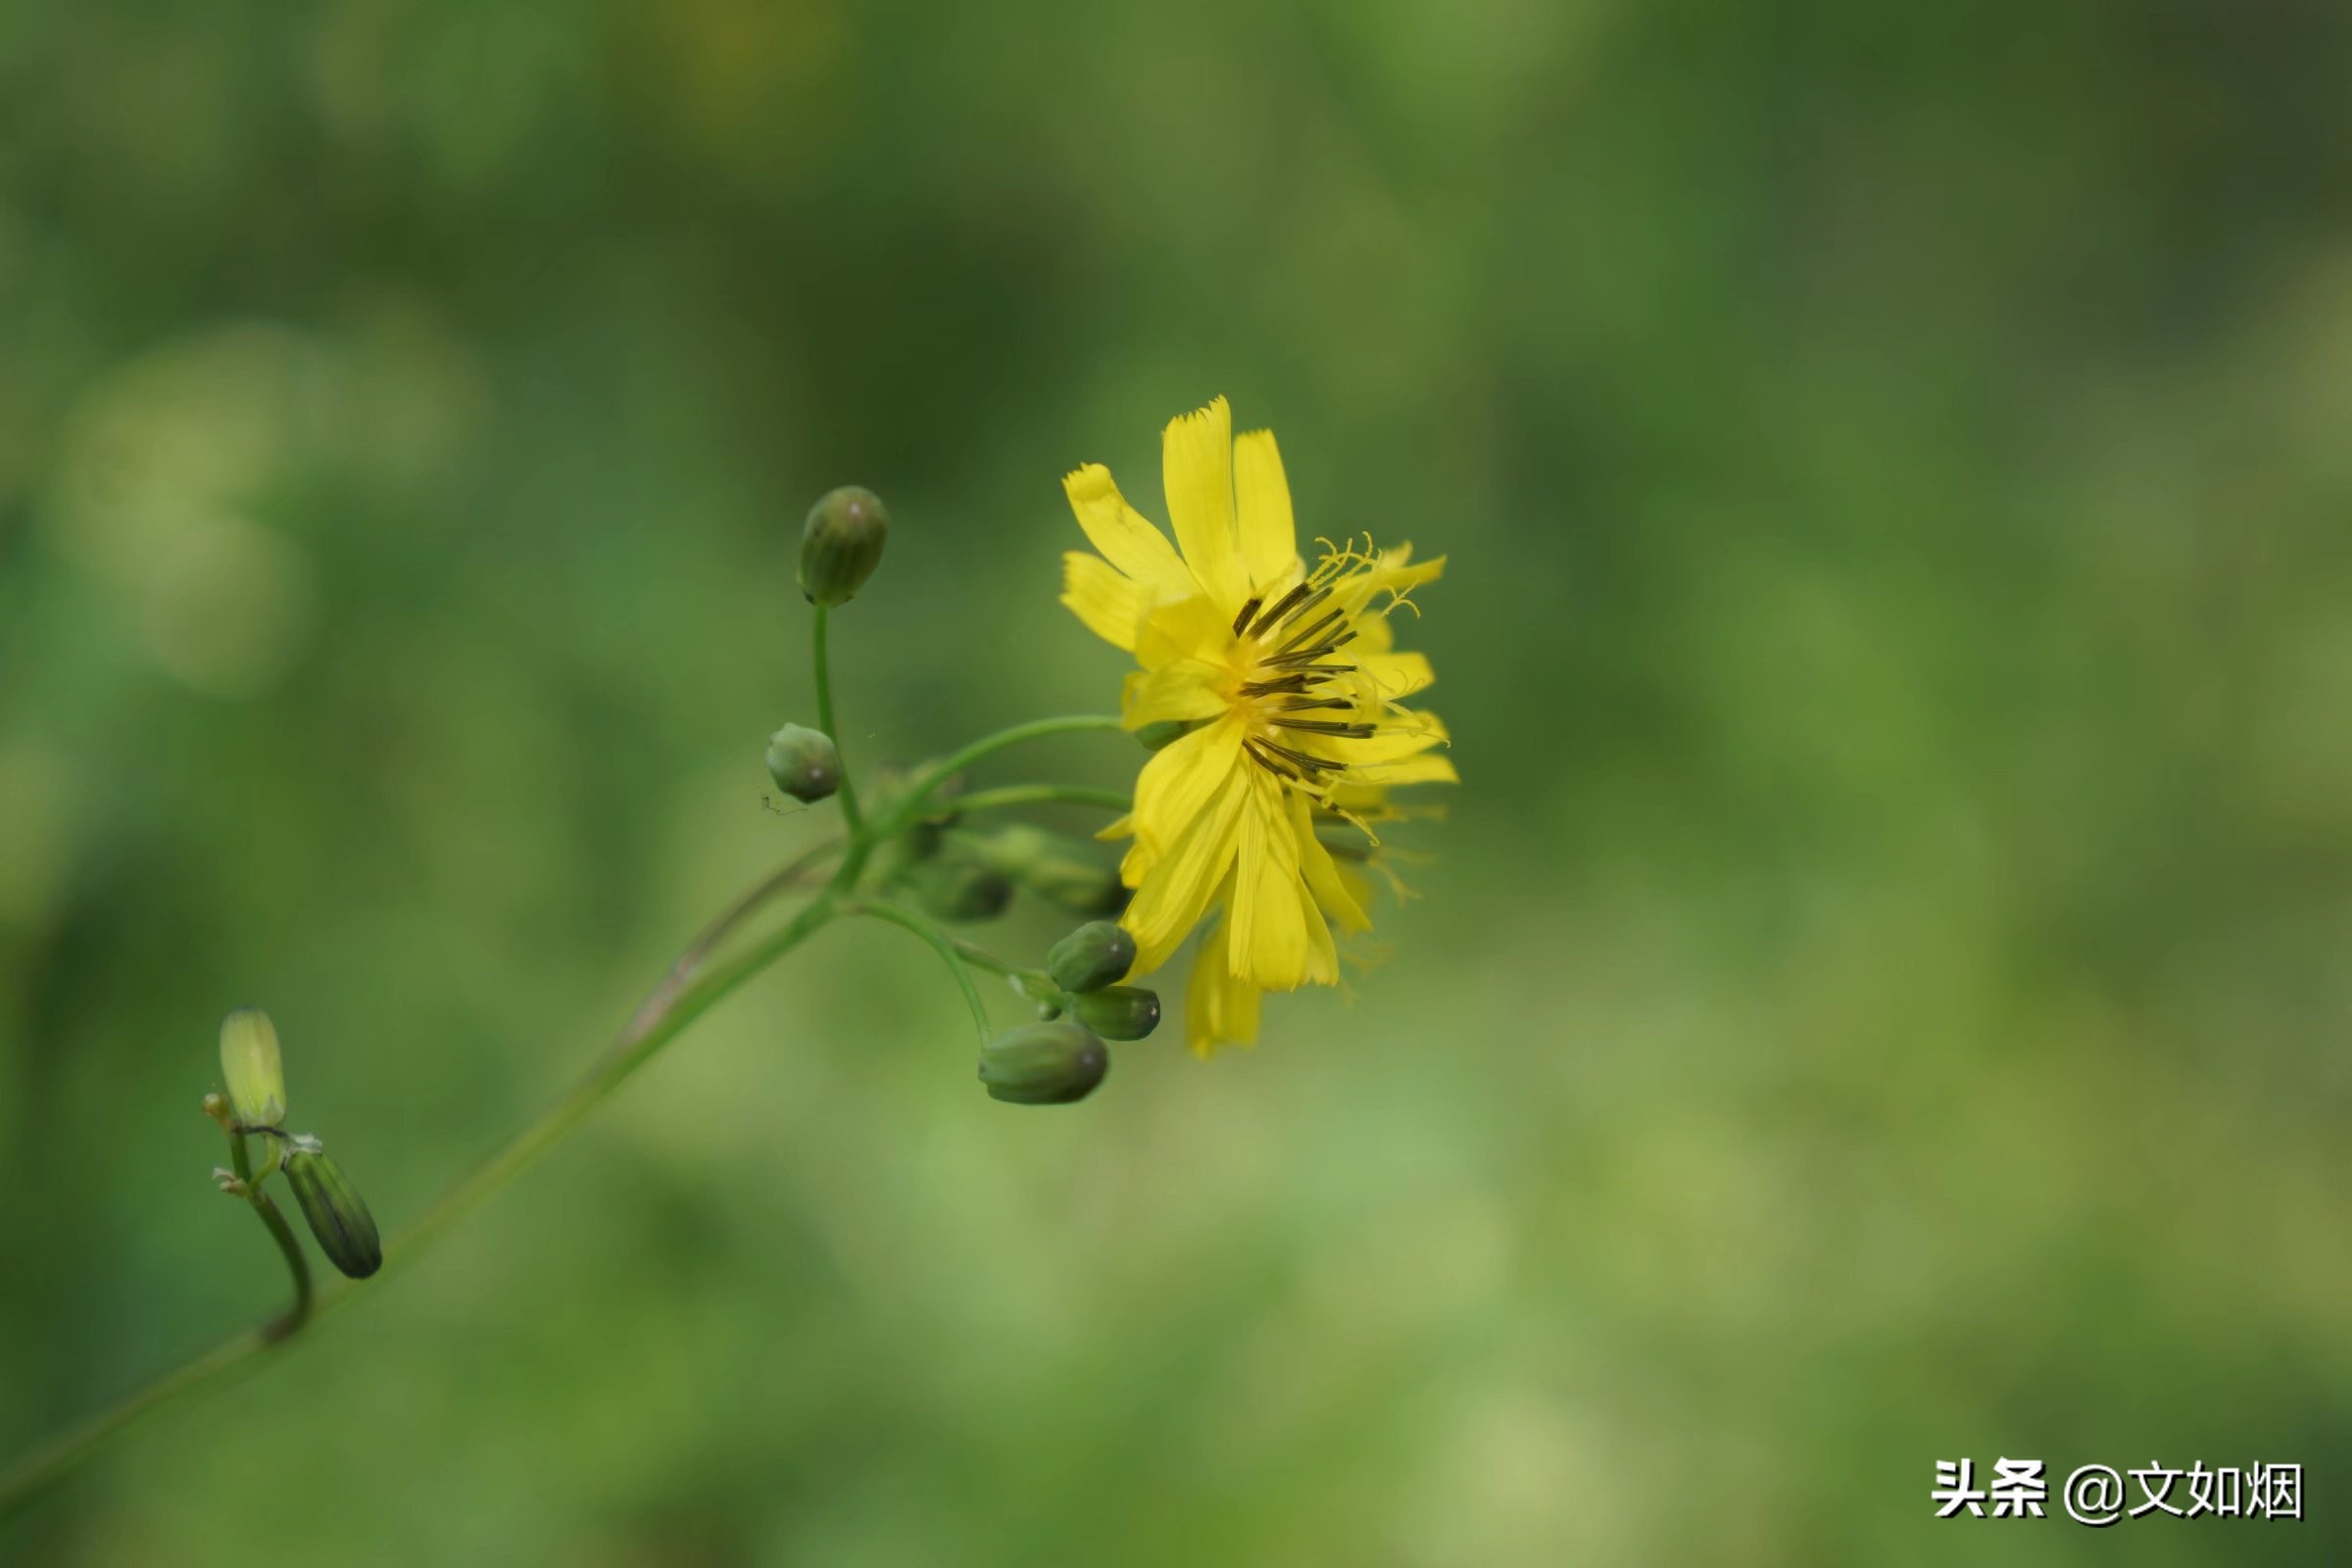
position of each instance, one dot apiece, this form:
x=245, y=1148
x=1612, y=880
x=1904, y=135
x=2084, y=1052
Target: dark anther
x=1242, y=619
x=1282, y=607
x=1288, y=683
x=1303, y=759
x=1258, y=757
x=1326, y=726
x=1312, y=632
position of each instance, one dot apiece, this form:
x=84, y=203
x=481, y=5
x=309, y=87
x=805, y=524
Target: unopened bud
x=803, y=763
x=958, y=890
x=1097, y=954
x=1117, y=1012
x=842, y=544
x=1042, y=1064
x=249, y=1061
x=1057, y=869
x=338, y=1214
x=1161, y=736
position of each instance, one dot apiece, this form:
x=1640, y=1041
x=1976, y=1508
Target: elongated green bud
x=1117, y=1012
x=1097, y=954
x=803, y=763
x=1042, y=1064
x=338, y=1214
x=249, y=1061
x=956, y=890
x=842, y=544
x=1161, y=736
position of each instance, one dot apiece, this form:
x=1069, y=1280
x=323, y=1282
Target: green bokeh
x=1882, y=993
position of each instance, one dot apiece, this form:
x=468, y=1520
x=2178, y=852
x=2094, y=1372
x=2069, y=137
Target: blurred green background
x=1882, y=994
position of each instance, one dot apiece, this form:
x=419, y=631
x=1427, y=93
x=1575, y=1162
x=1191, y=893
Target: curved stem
x=850, y=816
x=685, y=994
x=941, y=942
x=1040, y=795
x=909, y=806
x=298, y=1265
x=240, y=1159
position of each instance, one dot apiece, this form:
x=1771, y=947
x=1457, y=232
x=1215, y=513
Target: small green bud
x=956, y=890
x=1042, y=1064
x=1078, y=887
x=1117, y=1012
x=1161, y=736
x=842, y=544
x=1097, y=954
x=803, y=763
x=337, y=1213
x=249, y=1061
x=1057, y=869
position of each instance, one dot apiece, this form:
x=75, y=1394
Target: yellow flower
x=1293, y=693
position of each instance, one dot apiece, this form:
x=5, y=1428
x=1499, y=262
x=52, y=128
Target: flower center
x=1287, y=685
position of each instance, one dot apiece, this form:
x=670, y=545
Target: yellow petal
x=1321, y=874
x=1219, y=1008
x=1394, y=574
x=1177, y=888
x=1177, y=692
x=1197, y=469
x=1266, y=928
x=1262, y=501
x=1111, y=605
x=1395, y=676
x=1180, y=780
x=1190, y=630
x=1405, y=734
x=1430, y=768
x=1127, y=541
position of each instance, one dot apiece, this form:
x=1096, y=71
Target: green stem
x=1039, y=795
x=684, y=995
x=909, y=806
x=850, y=817
x=298, y=1265
x=240, y=1159
x=941, y=942
x=637, y=1044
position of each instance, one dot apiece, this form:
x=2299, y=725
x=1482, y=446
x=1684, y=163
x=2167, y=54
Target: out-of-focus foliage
x=1882, y=995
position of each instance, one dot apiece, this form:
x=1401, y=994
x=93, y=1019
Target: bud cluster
x=256, y=1106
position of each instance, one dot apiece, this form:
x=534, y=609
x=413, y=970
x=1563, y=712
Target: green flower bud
x=249, y=1061
x=842, y=544
x=1059, y=870
x=1042, y=1064
x=1117, y=1012
x=803, y=763
x=956, y=890
x=1097, y=954
x=1160, y=736
x=338, y=1214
